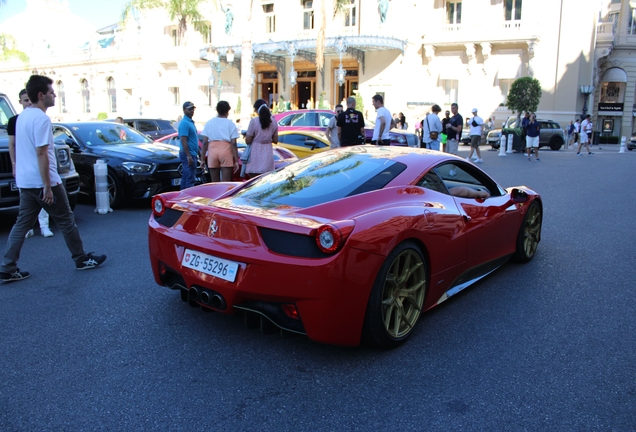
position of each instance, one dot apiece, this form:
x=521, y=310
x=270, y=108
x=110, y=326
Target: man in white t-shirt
x=584, y=138
x=219, y=145
x=476, y=126
x=40, y=184
x=383, y=121
x=332, y=128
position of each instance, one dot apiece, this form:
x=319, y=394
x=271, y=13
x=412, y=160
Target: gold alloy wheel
x=532, y=230
x=403, y=293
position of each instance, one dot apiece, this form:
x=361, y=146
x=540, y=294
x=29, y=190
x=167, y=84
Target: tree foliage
x=524, y=95
x=185, y=12
x=8, y=49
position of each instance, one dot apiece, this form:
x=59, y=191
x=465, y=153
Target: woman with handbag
x=262, y=132
x=432, y=128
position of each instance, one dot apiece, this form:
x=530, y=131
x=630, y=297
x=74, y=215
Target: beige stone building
x=415, y=53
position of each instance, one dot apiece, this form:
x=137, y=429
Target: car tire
x=115, y=191
x=397, y=297
x=529, y=234
x=556, y=143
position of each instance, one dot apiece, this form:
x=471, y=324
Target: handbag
x=474, y=123
x=432, y=134
x=245, y=158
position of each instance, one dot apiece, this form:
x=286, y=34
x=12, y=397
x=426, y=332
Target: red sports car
x=347, y=245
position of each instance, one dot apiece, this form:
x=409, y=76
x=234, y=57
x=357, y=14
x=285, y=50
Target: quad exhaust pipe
x=206, y=297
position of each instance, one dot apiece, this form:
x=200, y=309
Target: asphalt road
x=550, y=345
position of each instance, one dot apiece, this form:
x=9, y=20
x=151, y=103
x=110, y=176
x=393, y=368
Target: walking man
x=476, y=126
x=40, y=184
x=189, y=146
x=350, y=125
x=383, y=121
x=43, y=216
x=332, y=131
x=432, y=128
x=583, y=136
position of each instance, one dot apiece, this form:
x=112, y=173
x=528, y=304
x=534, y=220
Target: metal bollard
x=502, y=146
x=101, y=187
x=510, y=138
x=622, y=149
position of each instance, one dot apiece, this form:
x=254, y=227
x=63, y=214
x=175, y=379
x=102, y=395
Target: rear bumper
x=330, y=294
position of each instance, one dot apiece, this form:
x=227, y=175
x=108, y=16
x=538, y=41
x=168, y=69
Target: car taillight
x=158, y=205
x=331, y=237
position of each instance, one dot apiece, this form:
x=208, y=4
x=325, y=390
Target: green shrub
x=102, y=116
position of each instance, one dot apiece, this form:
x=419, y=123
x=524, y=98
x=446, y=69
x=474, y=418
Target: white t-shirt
x=220, y=129
x=333, y=128
x=586, y=126
x=577, y=127
x=382, y=112
x=476, y=130
x=33, y=129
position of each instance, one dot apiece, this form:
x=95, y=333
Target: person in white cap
x=476, y=126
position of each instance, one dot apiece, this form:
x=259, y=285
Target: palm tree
x=184, y=11
x=338, y=8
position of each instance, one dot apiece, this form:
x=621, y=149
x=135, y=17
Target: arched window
x=86, y=96
x=112, y=94
x=61, y=97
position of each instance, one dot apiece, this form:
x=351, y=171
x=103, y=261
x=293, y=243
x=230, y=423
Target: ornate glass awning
x=275, y=53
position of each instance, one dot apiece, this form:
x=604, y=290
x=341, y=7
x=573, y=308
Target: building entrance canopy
x=275, y=53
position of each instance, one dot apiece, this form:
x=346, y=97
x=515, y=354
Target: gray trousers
x=30, y=206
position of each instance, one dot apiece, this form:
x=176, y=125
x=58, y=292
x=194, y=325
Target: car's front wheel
x=115, y=192
x=529, y=234
x=397, y=297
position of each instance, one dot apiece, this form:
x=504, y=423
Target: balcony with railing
x=503, y=32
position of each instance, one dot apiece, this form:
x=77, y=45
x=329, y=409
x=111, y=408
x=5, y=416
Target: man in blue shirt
x=189, y=146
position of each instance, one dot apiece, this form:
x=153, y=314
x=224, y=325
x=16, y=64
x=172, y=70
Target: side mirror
x=518, y=196
x=311, y=143
x=72, y=144
x=150, y=137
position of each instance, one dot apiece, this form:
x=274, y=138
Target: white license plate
x=176, y=182
x=14, y=187
x=209, y=264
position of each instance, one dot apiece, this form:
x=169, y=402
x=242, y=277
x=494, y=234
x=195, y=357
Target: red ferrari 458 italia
x=345, y=246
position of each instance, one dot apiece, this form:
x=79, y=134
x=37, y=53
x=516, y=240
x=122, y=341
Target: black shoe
x=89, y=261
x=15, y=276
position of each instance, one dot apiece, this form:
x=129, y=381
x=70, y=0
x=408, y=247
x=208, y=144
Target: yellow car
x=303, y=143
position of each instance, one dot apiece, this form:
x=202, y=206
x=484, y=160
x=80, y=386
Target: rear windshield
x=323, y=178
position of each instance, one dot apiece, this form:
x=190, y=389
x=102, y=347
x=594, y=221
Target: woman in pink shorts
x=219, y=142
x=261, y=134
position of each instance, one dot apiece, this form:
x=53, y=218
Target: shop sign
x=602, y=106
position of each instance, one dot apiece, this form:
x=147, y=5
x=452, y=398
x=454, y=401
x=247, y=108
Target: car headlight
x=137, y=167
x=62, y=157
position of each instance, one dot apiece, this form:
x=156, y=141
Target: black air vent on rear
x=169, y=217
x=286, y=243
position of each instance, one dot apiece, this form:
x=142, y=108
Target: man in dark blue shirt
x=350, y=125
x=189, y=146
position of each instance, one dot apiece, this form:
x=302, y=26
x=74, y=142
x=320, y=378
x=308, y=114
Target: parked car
x=551, y=135
x=153, y=128
x=303, y=143
x=372, y=235
x=282, y=156
x=137, y=166
x=9, y=192
x=318, y=120
x=631, y=145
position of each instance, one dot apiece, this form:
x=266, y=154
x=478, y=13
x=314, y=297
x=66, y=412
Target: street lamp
x=586, y=91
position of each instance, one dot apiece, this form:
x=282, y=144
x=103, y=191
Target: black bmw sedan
x=137, y=166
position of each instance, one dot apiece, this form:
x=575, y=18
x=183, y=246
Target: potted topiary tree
x=524, y=95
